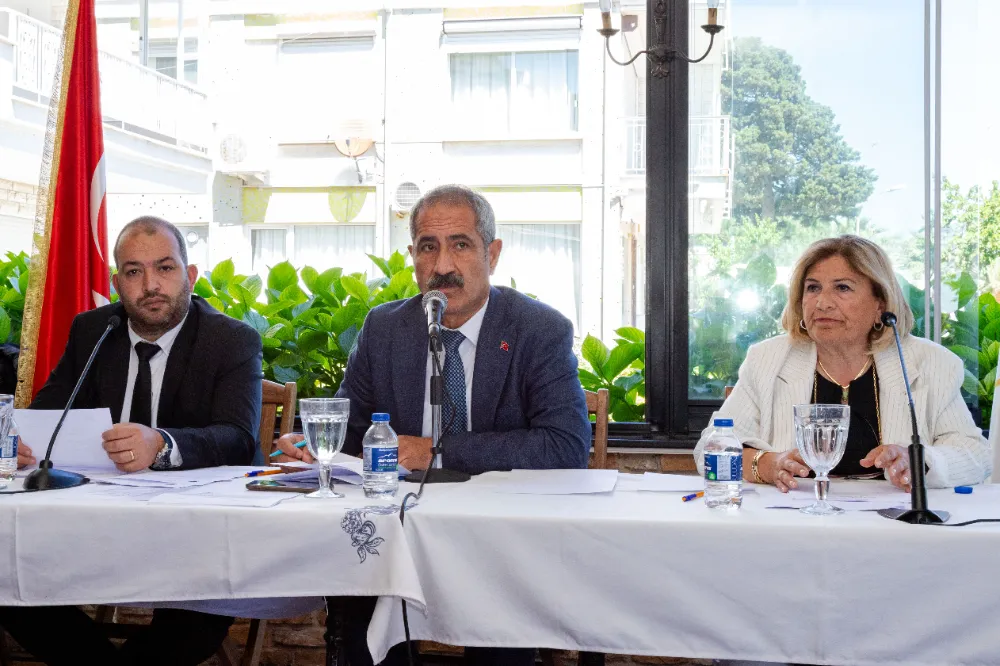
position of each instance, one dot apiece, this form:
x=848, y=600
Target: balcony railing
x=134, y=98
x=710, y=150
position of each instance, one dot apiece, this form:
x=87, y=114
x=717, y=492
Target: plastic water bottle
x=723, y=467
x=381, y=450
x=8, y=441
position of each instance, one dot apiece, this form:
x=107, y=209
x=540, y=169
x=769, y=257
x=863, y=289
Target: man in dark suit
x=183, y=383
x=514, y=399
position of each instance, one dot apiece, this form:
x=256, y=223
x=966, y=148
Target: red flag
x=74, y=249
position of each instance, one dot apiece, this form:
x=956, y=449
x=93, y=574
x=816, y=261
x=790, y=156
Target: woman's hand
x=895, y=460
x=780, y=469
x=24, y=455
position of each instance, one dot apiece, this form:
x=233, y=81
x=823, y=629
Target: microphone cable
x=420, y=491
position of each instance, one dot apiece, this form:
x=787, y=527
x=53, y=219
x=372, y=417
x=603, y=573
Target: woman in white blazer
x=836, y=349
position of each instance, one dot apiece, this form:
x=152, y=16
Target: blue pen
x=277, y=453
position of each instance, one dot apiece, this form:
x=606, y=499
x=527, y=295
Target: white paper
x=869, y=496
x=187, y=478
x=557, y=481
x=671, y=483
x=79, y=445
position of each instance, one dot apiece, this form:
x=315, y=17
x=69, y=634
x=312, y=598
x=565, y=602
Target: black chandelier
x=659, y=53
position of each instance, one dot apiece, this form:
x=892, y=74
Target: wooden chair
x=597, y=404
x=274, y=395
x=729, y=391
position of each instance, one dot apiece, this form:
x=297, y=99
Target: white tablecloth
x=644, y=573
x=73, y=547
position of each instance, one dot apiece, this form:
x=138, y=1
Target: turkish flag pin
x=504, y=346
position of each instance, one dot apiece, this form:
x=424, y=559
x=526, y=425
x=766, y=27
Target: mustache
x=438, y=281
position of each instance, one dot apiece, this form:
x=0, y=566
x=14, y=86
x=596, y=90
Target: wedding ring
x=131, y=455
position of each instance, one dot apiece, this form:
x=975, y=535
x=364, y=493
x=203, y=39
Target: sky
x=864, y=59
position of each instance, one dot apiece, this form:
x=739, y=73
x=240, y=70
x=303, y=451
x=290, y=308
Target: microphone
x=46, y=477
x=918, y=514
x=434, y=304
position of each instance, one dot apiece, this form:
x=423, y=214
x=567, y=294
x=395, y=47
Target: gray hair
x=150, y=224
x=458, y=195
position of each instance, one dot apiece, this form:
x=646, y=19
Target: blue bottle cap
x=963, y=490
x=723, y=423
x=380, y=417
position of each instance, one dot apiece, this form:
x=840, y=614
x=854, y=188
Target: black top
x=863, y=434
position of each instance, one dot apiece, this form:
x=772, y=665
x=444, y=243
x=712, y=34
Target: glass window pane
x=795, y=138
x=268, y=247
x=326, y=246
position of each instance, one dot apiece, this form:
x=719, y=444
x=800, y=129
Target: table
x=644, y=573
x=78, y=546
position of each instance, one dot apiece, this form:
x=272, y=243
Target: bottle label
x=720, y=467
x=8, y=447
x=381, y=460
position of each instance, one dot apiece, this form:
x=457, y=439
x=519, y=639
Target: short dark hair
x=150, y=224
x=458, y=195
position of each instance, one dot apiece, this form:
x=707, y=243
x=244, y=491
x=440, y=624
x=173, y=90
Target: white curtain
x=517, y=91
x=544, y=260
x=545, y=90
x=330, y=246
x=268, y=249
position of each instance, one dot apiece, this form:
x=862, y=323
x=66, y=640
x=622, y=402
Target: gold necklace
x=844, y=388
x=878, y=410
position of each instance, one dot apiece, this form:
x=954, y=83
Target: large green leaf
x=254, y=285
x=282, y=276
x=203, y=288
x=595, y=353
x=348, y=339
x=222, y=274
x=589, y=380
x=621, y=357
x=256, y=322
x=631, y=334
x=309, y=277
x=400, y=281
x=397, y=262
x=356, y=288
x=382, y=264
x=5, y=326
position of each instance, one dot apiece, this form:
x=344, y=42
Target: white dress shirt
x=467, y=350
x=157, y=366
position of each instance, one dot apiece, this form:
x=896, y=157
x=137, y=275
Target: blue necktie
x=453, y=412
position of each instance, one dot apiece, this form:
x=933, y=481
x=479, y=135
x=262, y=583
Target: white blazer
x=778, y=373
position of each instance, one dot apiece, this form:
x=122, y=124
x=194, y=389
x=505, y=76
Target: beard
x=169, y=313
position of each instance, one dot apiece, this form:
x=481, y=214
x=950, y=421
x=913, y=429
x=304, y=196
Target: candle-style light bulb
x=605, y=6
x=713, y=12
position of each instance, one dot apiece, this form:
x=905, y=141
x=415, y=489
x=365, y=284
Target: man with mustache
x=512, y=395
x=183, y=383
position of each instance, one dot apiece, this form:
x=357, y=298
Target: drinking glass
x=324, y=421
x=821, y=437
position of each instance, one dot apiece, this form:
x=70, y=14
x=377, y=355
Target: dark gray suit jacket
x=210, y=399
x=528, y=409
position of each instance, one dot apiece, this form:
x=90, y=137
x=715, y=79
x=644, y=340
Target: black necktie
x=142, y=394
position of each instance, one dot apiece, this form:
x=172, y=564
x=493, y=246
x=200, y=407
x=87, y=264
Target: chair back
x=729, y=390
x=276, y=395
x=597, y=404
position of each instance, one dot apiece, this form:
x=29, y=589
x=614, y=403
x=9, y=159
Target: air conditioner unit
x=245, y=155
x=405, y=198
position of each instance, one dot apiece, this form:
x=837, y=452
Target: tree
x=970, y=230
x=791, y=161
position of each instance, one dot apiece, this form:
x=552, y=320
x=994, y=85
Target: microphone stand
x=439, y=475
x=918, y=514
x=47, y=477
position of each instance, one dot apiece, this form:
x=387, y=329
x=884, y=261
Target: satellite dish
x=353, y=147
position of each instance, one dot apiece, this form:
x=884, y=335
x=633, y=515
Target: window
x=518, y=92
x=319, y=246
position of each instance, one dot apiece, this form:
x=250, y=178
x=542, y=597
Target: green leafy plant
x=308, y=320
x=621, y=370
x=13, y=287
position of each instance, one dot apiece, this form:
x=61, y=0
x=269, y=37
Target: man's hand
x=414, y=452
x=290, y=452
x=132, y=446
x=24, y=455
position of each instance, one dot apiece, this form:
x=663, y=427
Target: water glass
x=821, y=437
x=324, y=421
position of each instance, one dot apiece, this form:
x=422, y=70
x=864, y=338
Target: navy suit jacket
x=210, y=399
x=528, y=409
